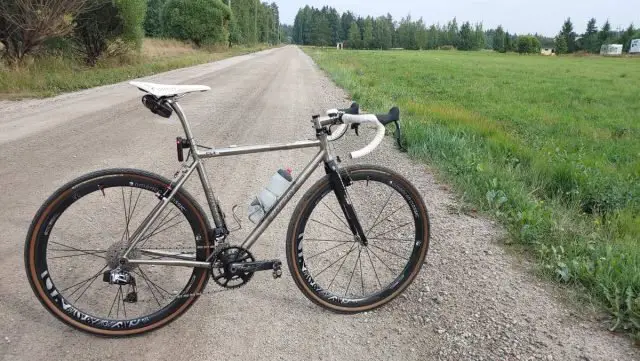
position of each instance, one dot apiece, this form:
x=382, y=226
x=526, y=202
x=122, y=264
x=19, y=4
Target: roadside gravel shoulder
x=473, y=300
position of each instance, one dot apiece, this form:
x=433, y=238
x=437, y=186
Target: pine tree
x=355, y=41
x=507, y=42
x=466, y=37
x=590, y=38
x=498, y=40
x=367, y=34
x=561, y=45
x=604, y=36
x=569, y=35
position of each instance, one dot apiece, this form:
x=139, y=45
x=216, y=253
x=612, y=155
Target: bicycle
x=145, y=249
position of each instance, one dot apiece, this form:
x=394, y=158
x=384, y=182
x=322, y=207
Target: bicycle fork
x=339, y=186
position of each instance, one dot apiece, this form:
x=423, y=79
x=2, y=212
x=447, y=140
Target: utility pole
x=255, y=17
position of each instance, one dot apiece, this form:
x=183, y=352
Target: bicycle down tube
x=260, y=227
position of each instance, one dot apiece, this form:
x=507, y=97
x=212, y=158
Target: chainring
x=221, y=267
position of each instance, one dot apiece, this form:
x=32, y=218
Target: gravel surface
x=472, y=301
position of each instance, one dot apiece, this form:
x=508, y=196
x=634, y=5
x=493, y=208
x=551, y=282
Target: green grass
x=550, y=146
x=52, y=75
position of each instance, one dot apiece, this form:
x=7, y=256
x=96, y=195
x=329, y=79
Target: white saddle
x=165, y=90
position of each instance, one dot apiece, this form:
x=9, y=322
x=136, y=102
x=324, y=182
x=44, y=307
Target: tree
x=528, y=45
x=421, y=35
x=355, y=41
x=367, y=35
x=569, y=35
x=561, y=45
x=605, y=35
x=498, y=40
x=590, y=38
x=626, y=37
x=26, y=24
x=132, y=13
x=479, y=39
x=152, y=23
x=94, y=28
x=345, y=23
x=508, y=42
x=466, y=37
x=201, y=21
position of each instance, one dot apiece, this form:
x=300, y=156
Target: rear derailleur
x=121, y=278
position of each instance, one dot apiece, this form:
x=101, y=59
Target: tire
x=300, y=232
x=92, y=188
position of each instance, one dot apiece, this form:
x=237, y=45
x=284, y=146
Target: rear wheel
x=339, y=273
x=78, y=236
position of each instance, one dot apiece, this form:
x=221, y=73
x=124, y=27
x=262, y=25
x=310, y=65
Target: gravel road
x=472, y=300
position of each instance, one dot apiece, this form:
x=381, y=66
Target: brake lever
x=355, y=126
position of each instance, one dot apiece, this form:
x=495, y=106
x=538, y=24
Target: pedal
x=247, y=267
x=277, y=270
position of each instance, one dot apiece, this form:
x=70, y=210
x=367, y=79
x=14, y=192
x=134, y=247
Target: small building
x=548, y=51
x=635, y=47
x=340, y=45
x=611, y=49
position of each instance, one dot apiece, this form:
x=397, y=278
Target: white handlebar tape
x=366, y=119
x=337, y=133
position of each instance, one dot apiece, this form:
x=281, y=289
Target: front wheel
x=336, y=271
x=79, y=234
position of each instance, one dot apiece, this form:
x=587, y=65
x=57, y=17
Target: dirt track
x=471, y=301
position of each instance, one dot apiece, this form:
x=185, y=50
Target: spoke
x=327, y=250
x=382, y=220
x=148, y=237
x=150, y=289
x=380, y=259
x=372, y=266
x=83, y=281
x=393, y=253
x=135, y=205
x=334, y=228
x=75, y=249
x=334, y=213
x=361, y=276
x=391, y=230
x=380, y=213
x=79, y=254
x=325, y=240
x=353, y=271
x=339, y=268
x=124, y=307
x=89, y=285
x=392, y=239
x=113, y=304
x=336, y=261
x=153, y=283
x=126, y=214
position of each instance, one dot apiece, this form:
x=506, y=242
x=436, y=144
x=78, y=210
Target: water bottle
x=261, y=204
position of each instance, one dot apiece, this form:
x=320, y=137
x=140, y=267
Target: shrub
x=528, y=45
x=202, y=21
x=26, y=24
x=109, y=24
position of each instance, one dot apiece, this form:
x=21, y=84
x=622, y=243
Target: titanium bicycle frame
x=197, y=164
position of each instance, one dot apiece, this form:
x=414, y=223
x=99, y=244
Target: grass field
x=550, y=146
x=52, y=75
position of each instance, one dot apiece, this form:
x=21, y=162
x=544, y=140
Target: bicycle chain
x=217, y=248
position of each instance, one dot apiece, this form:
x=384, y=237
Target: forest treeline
x=95, y=29
x=326, y=27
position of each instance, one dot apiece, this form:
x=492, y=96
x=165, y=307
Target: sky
x=529, y=16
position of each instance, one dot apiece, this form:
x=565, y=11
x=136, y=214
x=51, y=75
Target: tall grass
x=53, y=74
x=550, y=146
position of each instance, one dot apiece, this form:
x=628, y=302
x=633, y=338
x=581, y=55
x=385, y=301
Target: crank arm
x=271, y=265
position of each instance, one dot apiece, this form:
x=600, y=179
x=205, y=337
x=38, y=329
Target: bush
x=528, y=45
x=109, y=24
x=204, y=22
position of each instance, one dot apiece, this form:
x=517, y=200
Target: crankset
x=233, y=267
